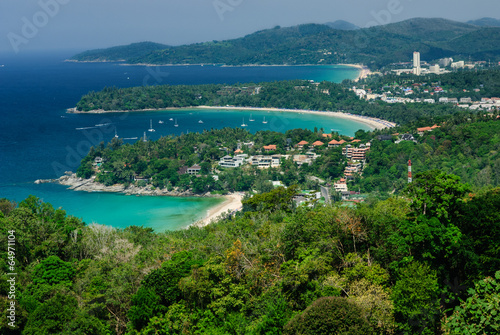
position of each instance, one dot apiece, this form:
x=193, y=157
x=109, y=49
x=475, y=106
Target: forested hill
x=321, y=44
x=295, y=94
x=426, y=263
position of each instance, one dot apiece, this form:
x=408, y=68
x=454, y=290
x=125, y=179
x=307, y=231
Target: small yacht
x=244, y=124
x=171, y=119
x=251, y=119
x=160, y=122
x=200, y=121
x=151, y=126
x=264, y=120
x=176, y=125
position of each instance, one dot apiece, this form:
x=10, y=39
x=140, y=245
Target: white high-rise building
x=416, y=63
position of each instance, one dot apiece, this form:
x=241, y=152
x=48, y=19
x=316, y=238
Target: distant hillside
x=485, y=22
x=120, y=53
x=320, y=44
x=342, y=25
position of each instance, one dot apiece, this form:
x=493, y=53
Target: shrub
x=329, y=315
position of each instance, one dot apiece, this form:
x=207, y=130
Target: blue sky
x=85, y=24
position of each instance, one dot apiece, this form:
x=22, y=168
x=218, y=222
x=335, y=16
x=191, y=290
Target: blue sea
x=39, y=140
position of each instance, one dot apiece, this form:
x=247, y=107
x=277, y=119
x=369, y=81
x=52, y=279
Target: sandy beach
x=371, y=122
x=231, y=204
x=364, y=71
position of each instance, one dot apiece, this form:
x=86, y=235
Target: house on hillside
x=301, y=144
x=194, y=170
x=271, y=147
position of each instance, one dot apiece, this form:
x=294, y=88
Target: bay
x=39, y=140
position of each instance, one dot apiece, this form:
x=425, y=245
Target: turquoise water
x=40, y=141
x=121, y=211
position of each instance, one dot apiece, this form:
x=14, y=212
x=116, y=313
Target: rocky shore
x=90, y=185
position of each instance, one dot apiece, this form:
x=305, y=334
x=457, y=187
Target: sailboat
x=243, y=124
x=264, y=120
x=176, y=125
x=251, y=120
x=151, y=126
x=116, y=135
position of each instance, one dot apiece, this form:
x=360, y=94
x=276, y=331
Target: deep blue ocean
x=39, y=140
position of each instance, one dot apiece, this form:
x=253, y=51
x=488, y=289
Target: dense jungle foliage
x=425, y=262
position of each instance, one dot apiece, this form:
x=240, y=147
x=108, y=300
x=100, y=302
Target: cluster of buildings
x=265, y=161
x=437, y=68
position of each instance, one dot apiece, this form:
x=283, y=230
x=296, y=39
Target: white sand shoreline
x=373, y=123
x=231, y=204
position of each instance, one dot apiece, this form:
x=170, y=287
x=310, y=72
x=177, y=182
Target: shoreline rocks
x=90, y=185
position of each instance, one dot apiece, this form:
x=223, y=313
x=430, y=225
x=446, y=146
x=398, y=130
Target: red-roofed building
x=238, y=151
x=318, y=143
x=327, y=135
x=355, y=141
x=271, y=147
x=301, y=144
x=424, y=129
x=333, y=144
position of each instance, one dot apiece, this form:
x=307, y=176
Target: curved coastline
x=373, y=123
x=231, y=203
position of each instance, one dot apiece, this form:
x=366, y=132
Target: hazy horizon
x=75, y=25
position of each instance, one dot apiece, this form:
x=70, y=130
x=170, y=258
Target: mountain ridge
x=321, y=44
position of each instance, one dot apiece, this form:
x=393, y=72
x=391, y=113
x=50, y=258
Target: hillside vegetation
x=321, y=44
x=422, y=263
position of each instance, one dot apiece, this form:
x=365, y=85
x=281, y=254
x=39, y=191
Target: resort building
x=318, y=144
x=356, y=154
x=265, y=162
x=301, y=144
x=232, y=162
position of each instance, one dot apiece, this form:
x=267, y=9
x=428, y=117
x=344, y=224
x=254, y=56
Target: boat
x=116, y=135
x=160, y=122
x=176, y=125
x=151, y=126
x=171, y=119
x=200, y=121
x=244, y=124
x=264, y=120
x=251, y=120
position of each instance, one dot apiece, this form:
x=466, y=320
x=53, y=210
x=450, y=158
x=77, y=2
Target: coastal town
x=426, y=86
